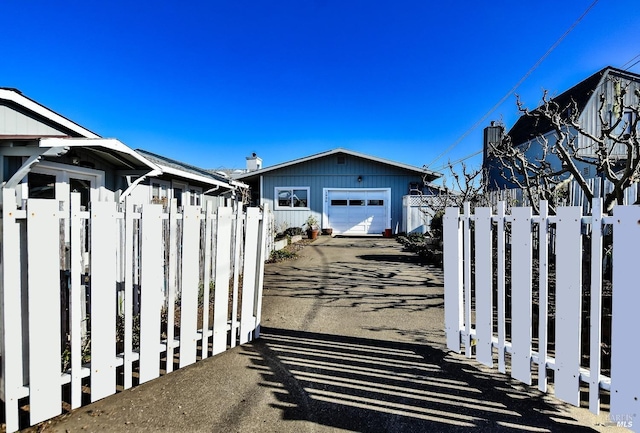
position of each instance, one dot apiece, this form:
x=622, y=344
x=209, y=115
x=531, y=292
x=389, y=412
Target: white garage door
x=357, y=212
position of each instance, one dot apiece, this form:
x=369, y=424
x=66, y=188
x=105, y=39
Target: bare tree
x=613, y=150
x=466, y=185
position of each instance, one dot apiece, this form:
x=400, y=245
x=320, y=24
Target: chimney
x=492, y=138
x=254, y=162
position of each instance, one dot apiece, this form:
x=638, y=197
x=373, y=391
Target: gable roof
x=528, y=127
x=187, y=171
x=15, y=98
x=411, y=168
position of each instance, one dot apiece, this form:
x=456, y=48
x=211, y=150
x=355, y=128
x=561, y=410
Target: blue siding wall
x=327, y=173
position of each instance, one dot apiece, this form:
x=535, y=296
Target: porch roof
x=111, y=149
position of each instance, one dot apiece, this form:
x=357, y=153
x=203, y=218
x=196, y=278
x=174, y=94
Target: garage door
x=357, y=212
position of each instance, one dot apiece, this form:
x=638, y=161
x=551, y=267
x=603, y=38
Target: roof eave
x=39, y=109
x=414, y=169
x=201, y=179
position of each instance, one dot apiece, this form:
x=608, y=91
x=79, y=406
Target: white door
x=357, y=211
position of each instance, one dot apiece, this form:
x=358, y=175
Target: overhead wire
x=629, y=67
x=513, y=89
x=625, y=67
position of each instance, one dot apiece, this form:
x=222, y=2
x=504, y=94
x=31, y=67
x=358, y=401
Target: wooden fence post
x=222, y=278
x=568, y=304
x=247, y=320
x=595, y=318
x=151, y=290
x=625, y=380
x=43, y=249
x=452, y=263
x=543, y=293
x=77, y=301
x=12, y=354
x=466, y=277
x=190, y=280
x=104, y=236
x=262, y=245
x=500, y=258
x=484, y=286
x=521, y=275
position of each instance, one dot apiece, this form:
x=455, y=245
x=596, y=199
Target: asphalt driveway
x=352, y=340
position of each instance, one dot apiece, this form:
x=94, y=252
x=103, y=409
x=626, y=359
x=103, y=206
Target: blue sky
x=210, y=82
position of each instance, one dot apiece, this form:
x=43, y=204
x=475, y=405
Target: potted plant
x=312, y=227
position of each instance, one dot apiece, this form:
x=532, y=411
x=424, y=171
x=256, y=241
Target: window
x=83, y=187
x=342, y=160
x=195, y=196
x=159, y=192
x=338, y=202
x=624, y=127
x=295, y=198
x=42, y=185
x=185, y=194
x=375, y=203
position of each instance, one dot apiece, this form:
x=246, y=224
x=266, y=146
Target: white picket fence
x=490, y=312
x=122, y=294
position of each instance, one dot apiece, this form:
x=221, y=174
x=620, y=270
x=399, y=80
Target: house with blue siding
x=45, y=155
x=596, y=99
x=348, y=192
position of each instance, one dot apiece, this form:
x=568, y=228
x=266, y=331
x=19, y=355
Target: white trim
x=325, y=202
x=162, y=183
x=276, y=203
x=195, y=191
x=199, y=178
x=403, y=166
x=63, y=173
x=108, y=143
x=184, y=186
x=33, y=106
x=262, y=192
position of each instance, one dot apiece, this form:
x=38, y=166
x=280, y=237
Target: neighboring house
x=188, y=184
x=348, y=192
x=526, y=132
x=45, y=155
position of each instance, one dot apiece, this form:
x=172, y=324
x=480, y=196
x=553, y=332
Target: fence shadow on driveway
x=371, y=385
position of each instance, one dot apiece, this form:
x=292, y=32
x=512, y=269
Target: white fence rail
x=574, y=195
x=510, y=300
x=101, y=300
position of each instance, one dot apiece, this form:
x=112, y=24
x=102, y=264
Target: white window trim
x=195, y=192
x=276, y=203
x=163, y=183
x=63, y=172
x=185, y=191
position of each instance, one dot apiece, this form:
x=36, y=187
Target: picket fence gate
x=122, y=293
x=479, y=247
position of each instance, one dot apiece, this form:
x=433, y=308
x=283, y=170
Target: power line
x=625, y=67
x=513, y=89
x=458, y=161
x=637, y=61
x=464, y=158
